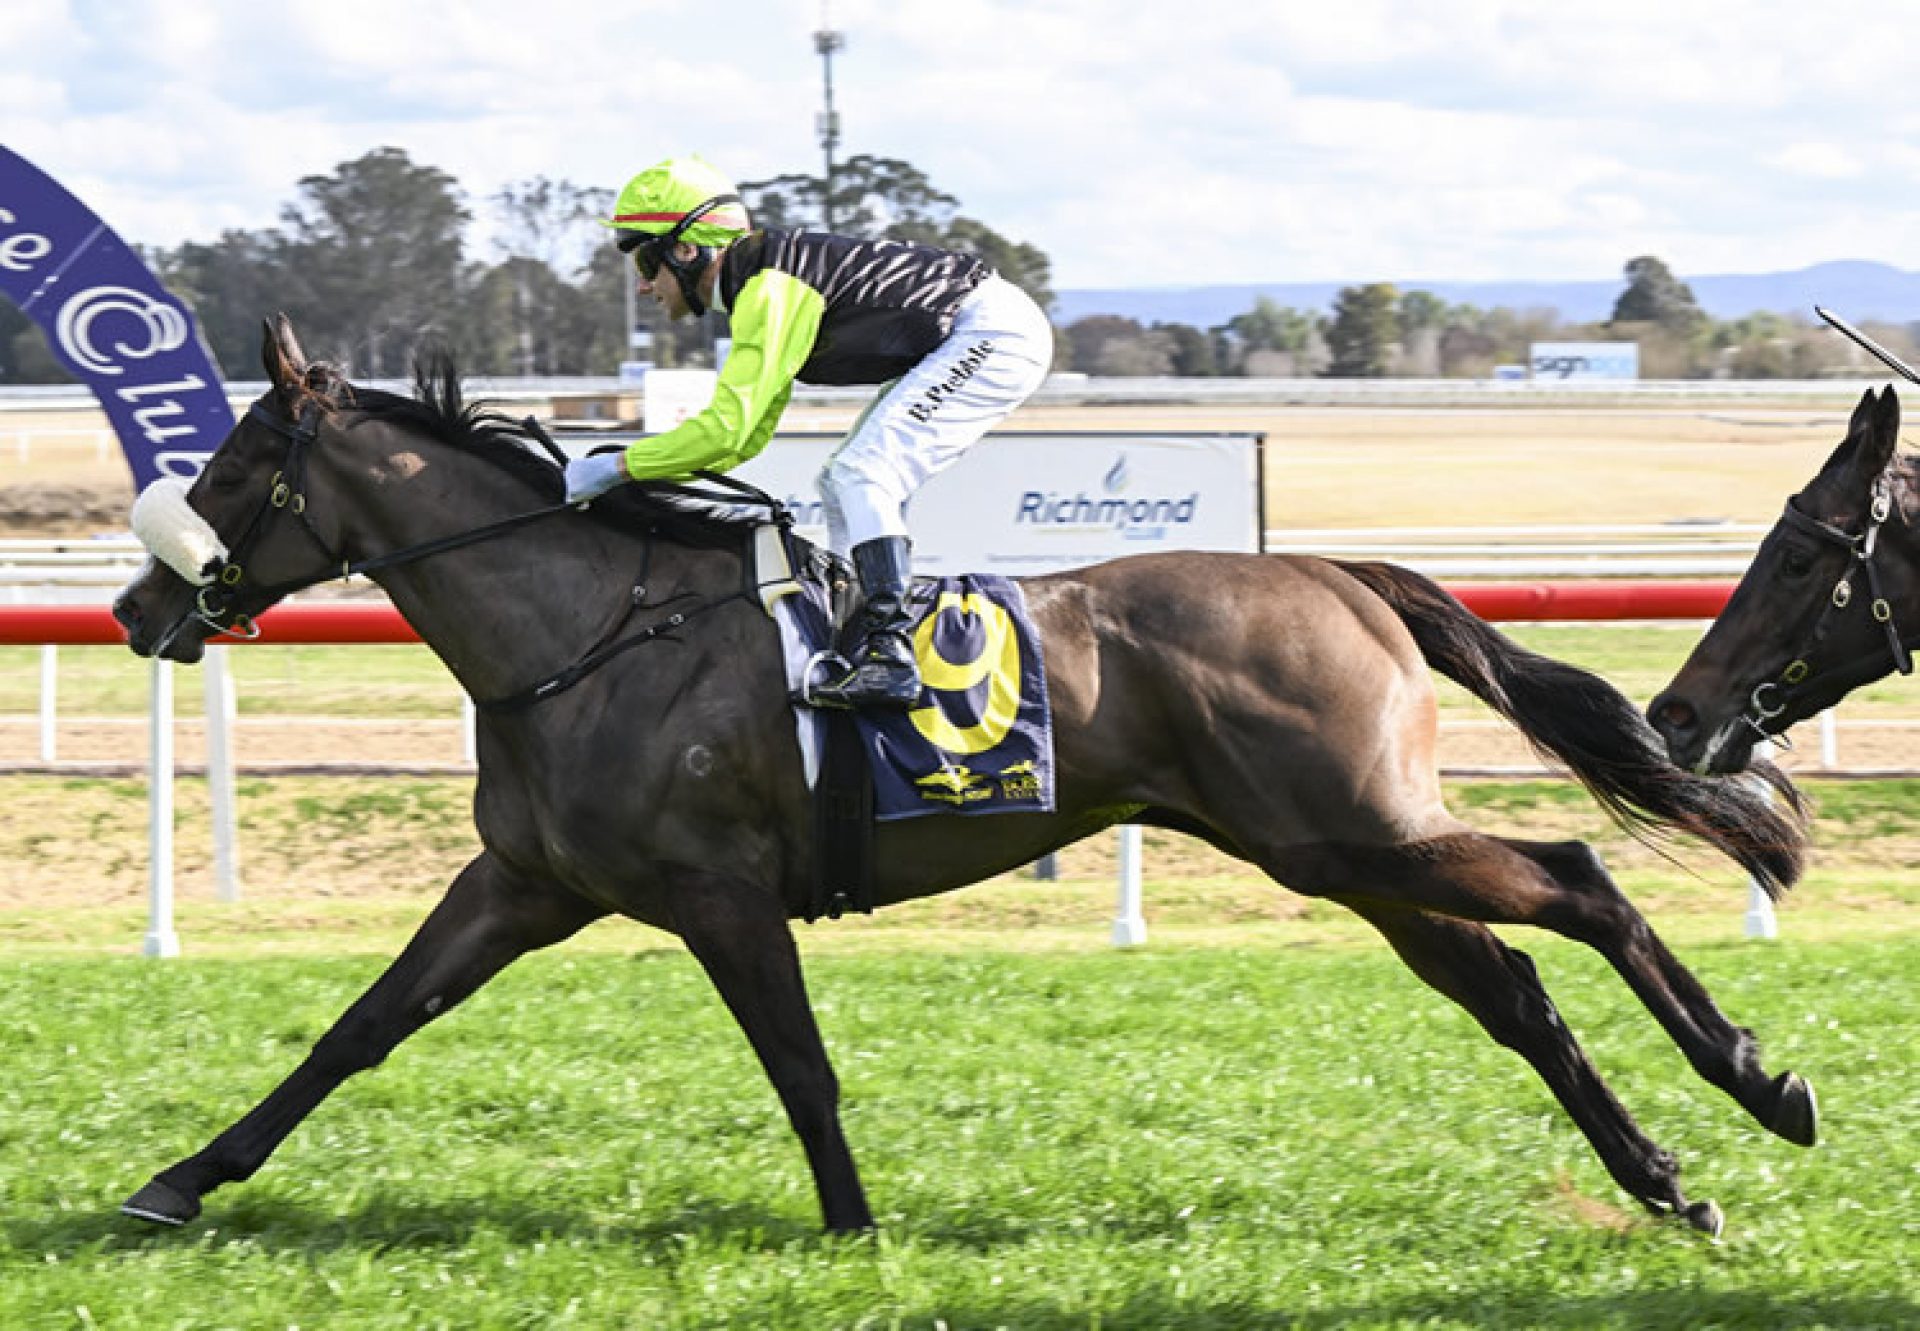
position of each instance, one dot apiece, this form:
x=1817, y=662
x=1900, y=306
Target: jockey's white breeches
x=999, y=351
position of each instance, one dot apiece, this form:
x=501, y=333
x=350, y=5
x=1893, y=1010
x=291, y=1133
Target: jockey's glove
x=591, y=477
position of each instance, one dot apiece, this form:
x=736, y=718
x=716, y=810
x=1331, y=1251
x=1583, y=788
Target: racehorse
x=1279, y=708
x=1801, y=632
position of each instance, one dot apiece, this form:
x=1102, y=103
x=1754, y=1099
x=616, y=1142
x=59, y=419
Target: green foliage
x=1205, y=1139
x=373, y=252
x=1364, y=331
x=884, y=198
x=1654, y=295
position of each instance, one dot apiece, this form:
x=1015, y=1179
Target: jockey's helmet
x=682, y=198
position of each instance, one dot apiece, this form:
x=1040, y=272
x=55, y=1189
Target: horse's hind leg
x=1595, y=911
x=1561, y=886
x=741, y=936
x=485, y=921
x=1500, y=988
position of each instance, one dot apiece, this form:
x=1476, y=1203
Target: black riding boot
x=882, y=671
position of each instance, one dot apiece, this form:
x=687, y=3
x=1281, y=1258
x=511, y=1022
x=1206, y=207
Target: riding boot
x=881, y=669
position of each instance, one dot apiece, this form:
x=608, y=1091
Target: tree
x=1364, y=331
x=376, y=251
x=13, y=323
x=1421, y=311
x=1271, y=326
x=1269, y=339
x=548, y=236
x=1024, y=265
x=231, y=285
x=1194, y=354
x=884, y=198
x=1654, y=295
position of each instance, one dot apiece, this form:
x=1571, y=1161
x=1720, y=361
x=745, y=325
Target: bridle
x=214, y=605
x=1772, y=698
x=215, y=602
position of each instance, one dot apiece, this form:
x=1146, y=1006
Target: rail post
x=161, y=940
x=1129, y=925
x=217, y=677
x=1760, y=921
x=49, y=702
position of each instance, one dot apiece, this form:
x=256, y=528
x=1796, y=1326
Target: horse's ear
x=1862, y=419
x=280, y=354
x=1883, y=434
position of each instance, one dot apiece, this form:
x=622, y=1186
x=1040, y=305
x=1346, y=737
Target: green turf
x=1191, y=1138
x=354, y=681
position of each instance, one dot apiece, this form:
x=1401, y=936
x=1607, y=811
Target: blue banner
x=111, y=323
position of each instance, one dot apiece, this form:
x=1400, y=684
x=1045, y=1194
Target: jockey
x=954, y=346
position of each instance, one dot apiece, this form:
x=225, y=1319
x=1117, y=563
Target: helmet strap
x=689, y=273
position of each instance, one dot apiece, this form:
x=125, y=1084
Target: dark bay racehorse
x=1279, y=708
x=1830, y=602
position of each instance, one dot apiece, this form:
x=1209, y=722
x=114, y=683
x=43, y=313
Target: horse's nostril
x=127, y=613
x=1675, y=716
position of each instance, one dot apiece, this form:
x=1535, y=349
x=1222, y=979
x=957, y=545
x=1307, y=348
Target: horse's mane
x=439, y=408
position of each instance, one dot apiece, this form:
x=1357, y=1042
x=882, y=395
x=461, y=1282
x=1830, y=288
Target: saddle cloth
x=980, y=740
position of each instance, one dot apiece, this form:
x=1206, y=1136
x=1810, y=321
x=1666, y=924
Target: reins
x=287, y=491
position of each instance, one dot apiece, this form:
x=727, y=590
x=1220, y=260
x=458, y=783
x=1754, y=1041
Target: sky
x=1139, y=144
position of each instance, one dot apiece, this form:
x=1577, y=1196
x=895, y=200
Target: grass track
x=1193, y=1138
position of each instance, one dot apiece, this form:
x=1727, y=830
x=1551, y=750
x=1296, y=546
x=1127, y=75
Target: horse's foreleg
x=1500, y=988
x=740, y=935
x=486, y=920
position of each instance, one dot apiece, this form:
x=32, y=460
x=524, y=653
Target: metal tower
x=826, y=41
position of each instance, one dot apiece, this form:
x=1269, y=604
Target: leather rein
x=214, y=606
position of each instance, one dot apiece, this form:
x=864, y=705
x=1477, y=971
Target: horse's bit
x=1767, y=701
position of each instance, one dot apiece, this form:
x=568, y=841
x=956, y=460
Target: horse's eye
x=226, y=475
x=1796, y=563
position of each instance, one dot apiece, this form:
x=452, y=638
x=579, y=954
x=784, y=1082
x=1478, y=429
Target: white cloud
x=1820, y=161
x=1135, y=142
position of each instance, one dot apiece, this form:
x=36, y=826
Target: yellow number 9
x=997, y=665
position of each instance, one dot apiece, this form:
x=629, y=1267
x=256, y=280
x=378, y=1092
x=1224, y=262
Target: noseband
x=214, y=606
x=1768, y=700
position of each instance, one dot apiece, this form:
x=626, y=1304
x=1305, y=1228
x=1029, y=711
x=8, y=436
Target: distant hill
x=1856, y=289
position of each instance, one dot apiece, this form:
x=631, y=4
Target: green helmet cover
x=661, y=196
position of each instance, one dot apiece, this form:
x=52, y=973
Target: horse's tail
x=1585, y=723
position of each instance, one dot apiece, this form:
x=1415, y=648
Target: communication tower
x=826, y=41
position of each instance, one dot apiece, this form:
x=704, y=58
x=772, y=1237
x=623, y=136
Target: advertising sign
x=1585, y=360
x=669, y=397
x=110, y=322
x=1025, y=503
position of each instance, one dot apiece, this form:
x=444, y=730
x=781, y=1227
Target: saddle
x=980, y=741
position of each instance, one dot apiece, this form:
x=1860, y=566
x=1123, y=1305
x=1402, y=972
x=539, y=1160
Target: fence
x=1642, y=550
x=377, y=622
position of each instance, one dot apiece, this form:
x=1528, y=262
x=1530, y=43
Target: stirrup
x=811, y=680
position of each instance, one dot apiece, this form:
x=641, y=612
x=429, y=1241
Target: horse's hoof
x=1706, y=1217
x=1796, y=1114
x=162, y=1204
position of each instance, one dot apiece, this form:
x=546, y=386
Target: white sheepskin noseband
x=176, y=535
